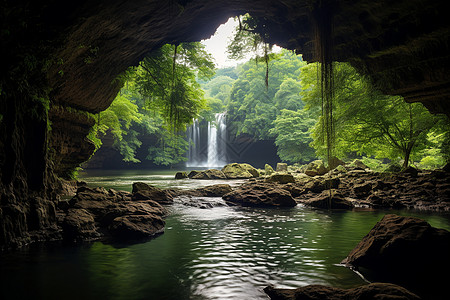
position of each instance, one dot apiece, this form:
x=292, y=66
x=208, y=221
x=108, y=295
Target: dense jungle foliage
x=278, y=99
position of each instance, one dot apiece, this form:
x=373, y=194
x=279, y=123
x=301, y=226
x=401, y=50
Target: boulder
x=95, y=213
x=268, y=170
x=315, y=168
x=280, y=178
x=260, y=195
x=201, y=202
x=410, y=171
x=373, y=291
x=339, y=169
x=79, y=225
x=406, y=251
x=181, y=175
x=209, y=174
x=334, y=162
x=143, y=191
x=240, y=171
x=362, y=190
x=318, y=185
x=133, y=227
x=330, y=199
x=216, y=190
x=282, y=167
x=193, y=173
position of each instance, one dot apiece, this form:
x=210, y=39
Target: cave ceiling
x=402, y=45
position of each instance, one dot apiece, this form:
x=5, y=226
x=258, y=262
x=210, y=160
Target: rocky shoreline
x=345, y=187
x=110, y=215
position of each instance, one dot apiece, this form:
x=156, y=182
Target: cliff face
x=70, y=53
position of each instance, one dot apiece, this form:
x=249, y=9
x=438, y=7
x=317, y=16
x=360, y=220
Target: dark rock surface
x=260, y=195
x=181, y=175
x=95, y=213
x=405, y=251
x=201, y=202
x=330, y=199
x=142, y=191
x=426, y=190
x=215, y=190
x=208, y=174
x=280, y=178
x=373, y=291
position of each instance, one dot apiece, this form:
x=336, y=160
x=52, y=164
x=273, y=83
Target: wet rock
x=280, y=178
x=181, y=175
x=261, y=195
x=216, y=190
x=405, y=251
x=240, y=171
x=201, y=202
x=330, y=199
x=316, y=168
x=380, y=291
x=132, y=227
x=209, y=174
x=143, y=191
x=282, y=167
x=79, y=225
x=95, y=213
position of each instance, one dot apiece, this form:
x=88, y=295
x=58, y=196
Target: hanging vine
x=322, y=19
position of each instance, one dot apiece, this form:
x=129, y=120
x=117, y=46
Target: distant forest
x=275, y=96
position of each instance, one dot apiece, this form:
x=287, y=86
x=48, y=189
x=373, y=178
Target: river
x=218, y=253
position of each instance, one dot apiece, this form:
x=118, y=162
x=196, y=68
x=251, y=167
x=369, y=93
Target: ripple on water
x=219, y=253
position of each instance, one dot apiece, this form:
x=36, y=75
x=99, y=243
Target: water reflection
x=219, y=253
x=123, y=180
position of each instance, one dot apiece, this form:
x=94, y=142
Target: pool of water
x=219, y=253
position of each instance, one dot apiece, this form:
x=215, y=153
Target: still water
x=219, y=253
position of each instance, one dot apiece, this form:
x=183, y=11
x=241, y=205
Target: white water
x=211, y=152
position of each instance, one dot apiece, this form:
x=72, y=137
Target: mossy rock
x=181, y=175
x=240, y=171
x=268, y=169
x=282, y=167
x=280, y=178
x=209, y=174
x=315, y=168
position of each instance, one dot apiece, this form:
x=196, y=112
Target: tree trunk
x=407, y=155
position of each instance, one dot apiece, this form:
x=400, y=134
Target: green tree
x=160, y=97
x=252, y=107
x=292, y=131
x=367, y=121
x=167, y=80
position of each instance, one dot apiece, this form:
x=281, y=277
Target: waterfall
x=207, y=152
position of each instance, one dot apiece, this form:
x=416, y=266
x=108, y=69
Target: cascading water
x=208, y=152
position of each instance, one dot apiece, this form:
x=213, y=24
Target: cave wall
x=61, y=60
